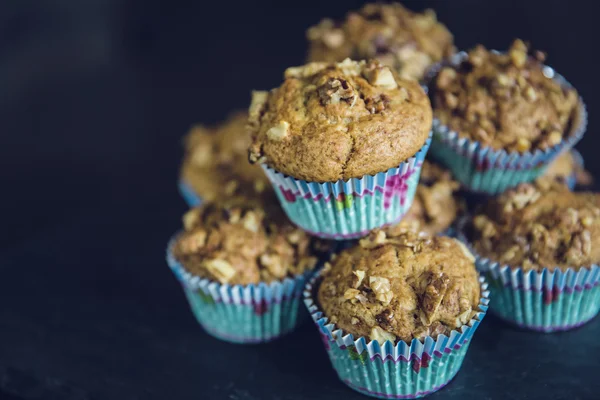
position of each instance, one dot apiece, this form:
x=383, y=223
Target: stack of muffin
x=322, y=191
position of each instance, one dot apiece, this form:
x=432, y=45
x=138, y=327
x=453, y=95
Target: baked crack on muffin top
x=539, y=225
x=233, y=243
x=328, y=122
x=435, y=205
x=400, y=287
x=216, y=164
x=407, y=41
x=505, y=101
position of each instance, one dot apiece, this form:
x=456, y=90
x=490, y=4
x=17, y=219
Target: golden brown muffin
x=401, y=287
x=540, y=225
x=504, y=100
x=338, y=121
x=407, y=41
x=435, y=205
x=237, y=244
x=216, y=161
x=564, y=167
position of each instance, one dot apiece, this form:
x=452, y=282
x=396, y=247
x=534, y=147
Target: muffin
x=242, y=270
x=569, y=170
x=407, y=41
x=537, y=245
x=414, y=298
x=501, y=118
x=342, y=144
x=436, y=204
x=215, y=165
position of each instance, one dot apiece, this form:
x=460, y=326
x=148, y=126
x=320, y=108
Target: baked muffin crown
x=216, y=164
x=406, y=41
x=539, y=225
x=328, y=122
x=236, y=243
x=401, y=287
x=505, y=100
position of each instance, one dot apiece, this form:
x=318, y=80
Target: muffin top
x=539, y=225
x=216, y=164
x=402, y=39
x=566, y=166
x=401, y=287
x=435, y=204
x=233, y=243
x=505, y=101
x=328, y=122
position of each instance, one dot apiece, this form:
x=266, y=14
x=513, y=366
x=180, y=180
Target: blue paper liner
x=571, y=181
x=388, y=371
x=549, y=300
x=254, y=313
x=485, y=170
x=350, y=209
x=192, y=198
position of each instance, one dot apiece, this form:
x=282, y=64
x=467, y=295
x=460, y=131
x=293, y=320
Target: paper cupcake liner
x=189, y=195
x=254, y=313
x=401, y=371
x=544, y=301
x=483, y=169
x=350, y=209
x=572, y=179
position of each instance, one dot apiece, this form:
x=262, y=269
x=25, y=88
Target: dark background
x=94, y=98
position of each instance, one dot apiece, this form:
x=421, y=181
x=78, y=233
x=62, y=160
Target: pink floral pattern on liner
x=287, y=194
x=397, y=185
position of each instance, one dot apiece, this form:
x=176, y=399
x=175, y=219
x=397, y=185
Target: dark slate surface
x=94, y=97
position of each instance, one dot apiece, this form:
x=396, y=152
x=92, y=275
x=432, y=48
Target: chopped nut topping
x=382, y=289
x=278, y=132
x=381, y=76
x=433, y=296
x=375, y=239
x=220, y=269
x=190, y=219
x=381, y=336
x=358, y=277
x=351, y=294
x=250, y=222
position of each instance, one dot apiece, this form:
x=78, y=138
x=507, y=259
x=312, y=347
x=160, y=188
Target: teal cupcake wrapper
x=192, y=198
x=254, y=313
x=549, y=300
x=350, y=209
x=485, y=170
x=571, y=180
x=388, y=371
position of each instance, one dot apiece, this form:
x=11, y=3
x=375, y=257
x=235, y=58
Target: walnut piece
x=381, y=76
x=336, y=90
x=278, y=132
x=220, y=269
x=382, y=289
x=433, y=296
x=381, y=336
x=191, y=218
x=358, y=277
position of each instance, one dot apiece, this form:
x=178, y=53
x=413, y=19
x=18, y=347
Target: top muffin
x=407, y=41
x=539, y=225
x=216, y=164
x=504, y=101
x=234, y=243
x=401, y=287
x=328, y=122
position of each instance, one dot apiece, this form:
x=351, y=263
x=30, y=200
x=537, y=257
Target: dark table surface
x=94, y=99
